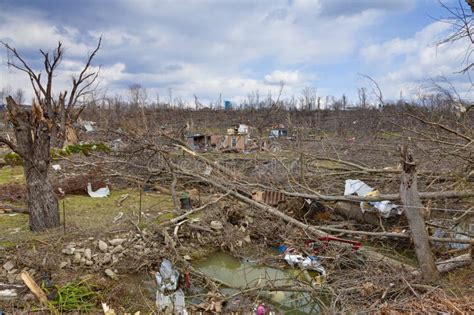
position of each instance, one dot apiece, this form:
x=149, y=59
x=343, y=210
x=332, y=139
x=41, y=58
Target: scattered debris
x=303, y=262
x=9, y=291
x=110, y=273
x=261, y=310
x=56, y=167
x=116, y=144
x=34, y=288
x=88, y=126
x=217, y=225
x=243, y=128
x=118, y=217
x=167, y=296
x=185, y=201
x=107, y=310
x=385, y=208
x=272, y=198
x=308, y=262
x=315, y=246
x=122, y=199
x=8, y=266
x=457, y=234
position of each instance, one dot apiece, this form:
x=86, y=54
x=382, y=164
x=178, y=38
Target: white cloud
x=168, y=45
x=212, y=47
x=30, y=31
x=426, y=38
x=285, y=77
x=406, y=64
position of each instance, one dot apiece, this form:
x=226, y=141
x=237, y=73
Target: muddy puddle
x=246, y=275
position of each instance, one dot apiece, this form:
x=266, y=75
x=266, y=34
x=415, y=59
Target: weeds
x=75, y=296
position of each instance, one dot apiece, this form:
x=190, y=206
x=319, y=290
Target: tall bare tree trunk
x=412, y=204
x=42, y=125
x=32, y=135
x=41, y=199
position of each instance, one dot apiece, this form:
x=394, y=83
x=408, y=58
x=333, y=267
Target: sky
x=232, y=48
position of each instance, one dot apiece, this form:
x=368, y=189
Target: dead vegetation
x=119, y=242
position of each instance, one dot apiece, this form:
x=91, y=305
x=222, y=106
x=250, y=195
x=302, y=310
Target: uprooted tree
x=42, y=126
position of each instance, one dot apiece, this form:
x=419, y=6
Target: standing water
x=245, y=275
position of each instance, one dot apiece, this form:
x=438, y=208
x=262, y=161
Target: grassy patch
x=10, y=175
x=390, y=135
x=14, y=227
x=7, y=244
x=164, y=217
x=88, y=214
x=75, y=296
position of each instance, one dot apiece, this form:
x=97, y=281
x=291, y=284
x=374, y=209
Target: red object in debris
x=356, y=245
x=187, y=280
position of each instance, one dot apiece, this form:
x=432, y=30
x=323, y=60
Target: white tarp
x=99, y=193
x=356, y=186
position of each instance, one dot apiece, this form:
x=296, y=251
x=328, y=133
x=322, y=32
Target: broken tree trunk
x=450, y=264
x=42, y=125
x=412, y=205
x=33, y=145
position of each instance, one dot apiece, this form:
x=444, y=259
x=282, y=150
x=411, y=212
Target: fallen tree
x=392, y=197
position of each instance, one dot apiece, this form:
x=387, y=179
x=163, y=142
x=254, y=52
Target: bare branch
x=377, y=90
x=77, y=91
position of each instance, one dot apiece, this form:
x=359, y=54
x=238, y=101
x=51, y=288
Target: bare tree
x=138, y=98
x=280, y=91
x=197, y=104
x=42, y=125
x=344, y=101
x=377, y=91
x=462, y=29
x=309, y=97
x=19, y=96
x=362, y=97
x=62, y=111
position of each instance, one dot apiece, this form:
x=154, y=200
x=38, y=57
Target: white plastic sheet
x=99, y=193
x=167, y=278
x=356, y=186
x=167, y=297
x=88, y=126
x=308, y=262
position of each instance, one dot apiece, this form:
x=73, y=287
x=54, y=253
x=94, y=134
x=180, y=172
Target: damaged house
x=278, y=131
x=236, y=138
x=198, y=142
